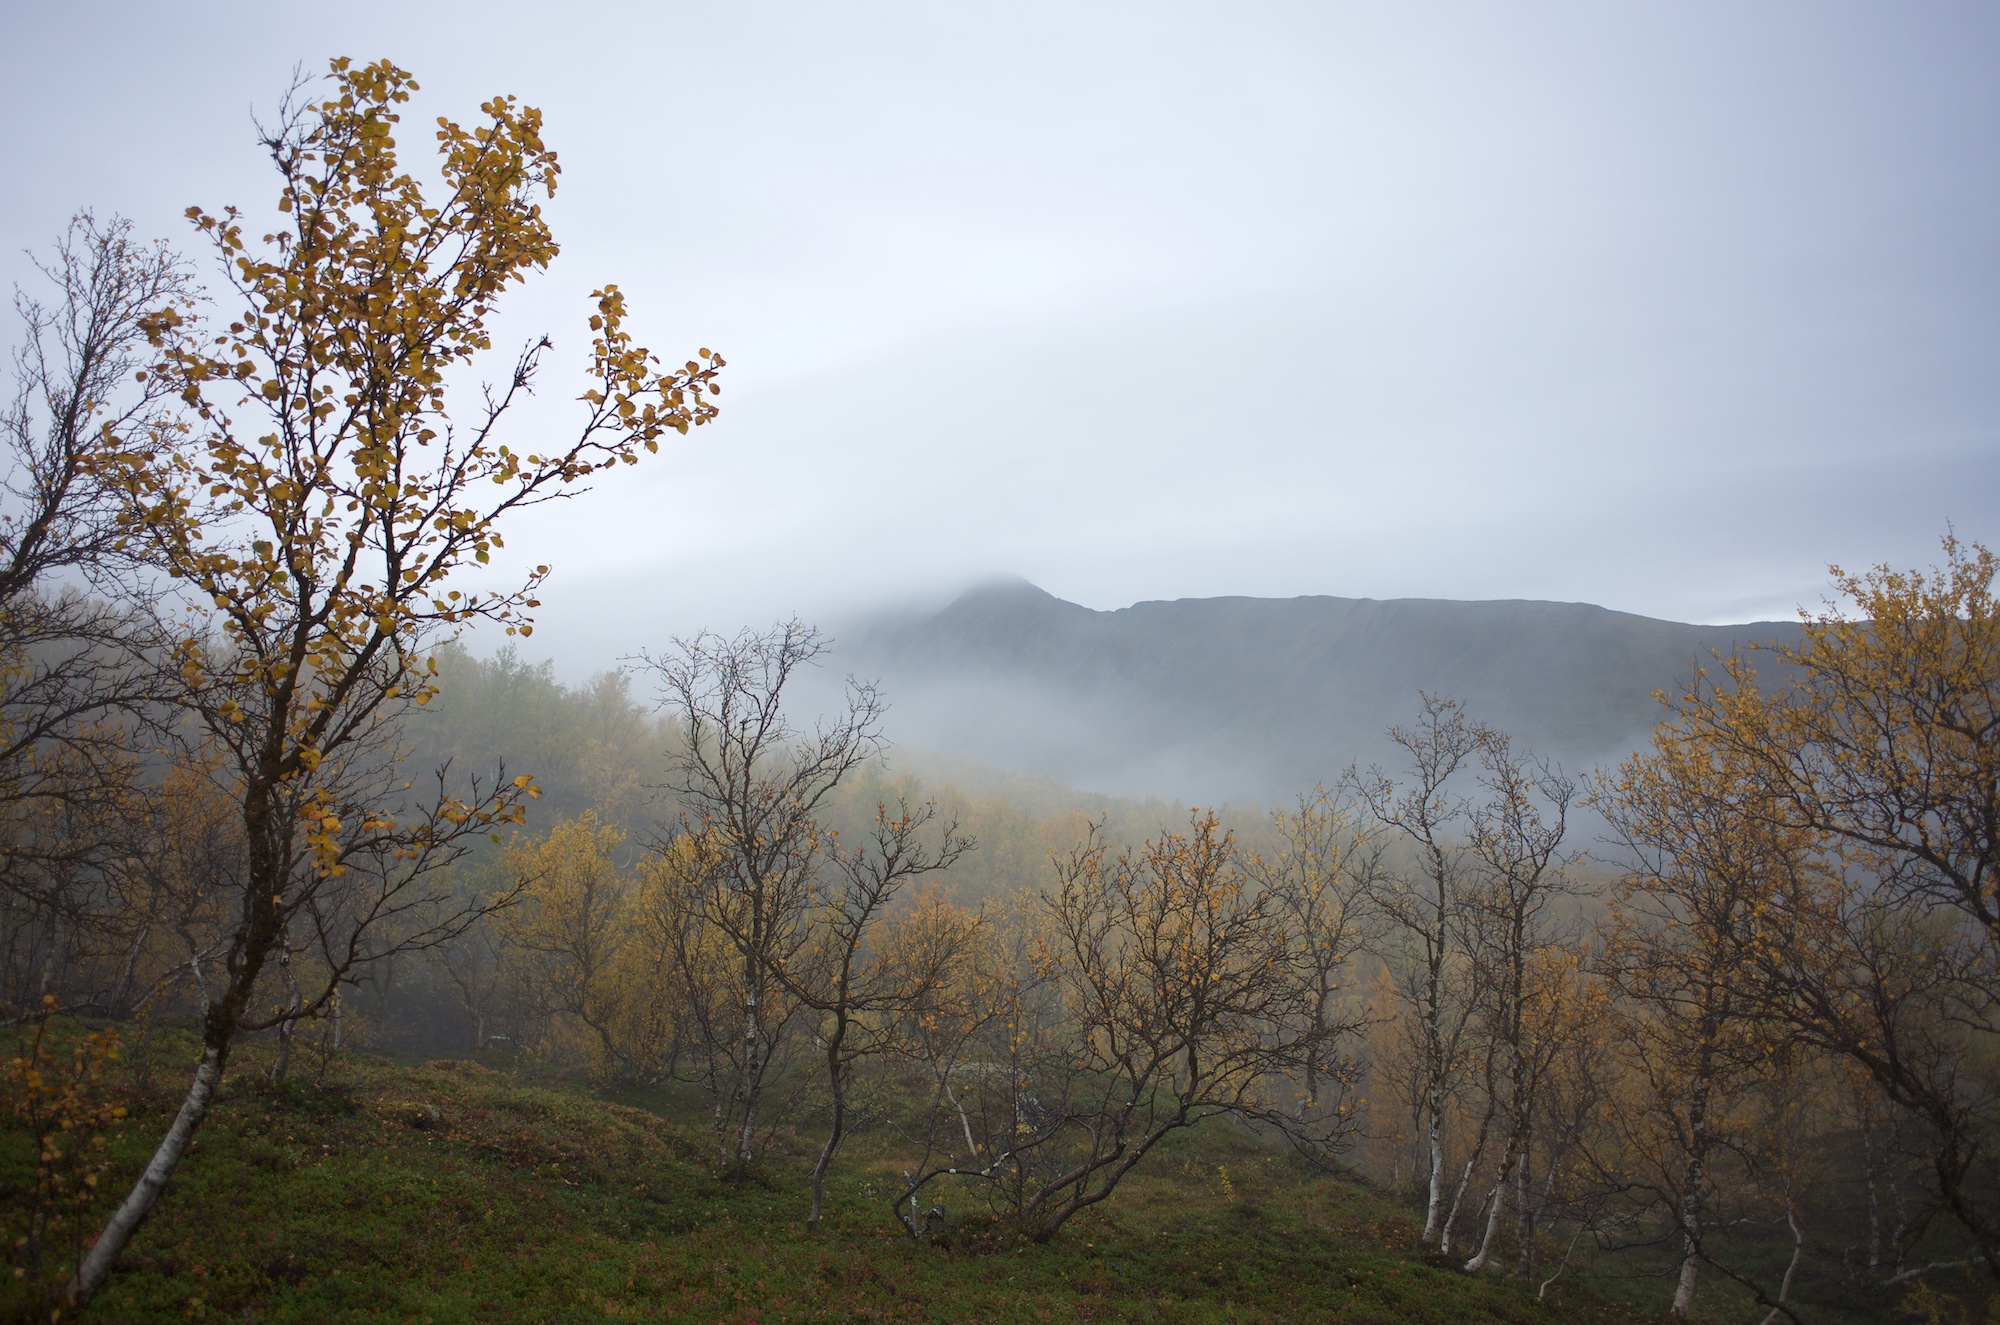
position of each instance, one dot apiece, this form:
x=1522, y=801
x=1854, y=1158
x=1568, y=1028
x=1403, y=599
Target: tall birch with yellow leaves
x=1875, y=759
x=320, y=502
x=1691, y=921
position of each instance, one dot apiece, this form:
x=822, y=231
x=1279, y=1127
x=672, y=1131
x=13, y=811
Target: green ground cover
x=451, y=1191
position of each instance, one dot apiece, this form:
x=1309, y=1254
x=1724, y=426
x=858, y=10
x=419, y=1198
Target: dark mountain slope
x=1257, y=698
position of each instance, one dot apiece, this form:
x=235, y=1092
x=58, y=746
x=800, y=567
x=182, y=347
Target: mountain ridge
x=1244, y=698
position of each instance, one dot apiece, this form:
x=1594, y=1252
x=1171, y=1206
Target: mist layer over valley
x=1243, y=700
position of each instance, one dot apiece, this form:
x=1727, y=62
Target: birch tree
x=1522, y=981
x=1424, y=909
x=74, y=673
x=322, y=502
x=1880, y=755
x=1690, y=921
x=749, y=849
x=1322, y=874
x=874, y=968
x=1188, y=997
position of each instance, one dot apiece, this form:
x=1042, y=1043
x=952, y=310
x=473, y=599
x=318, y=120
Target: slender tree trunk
x=965, y=1123
x=1869, y=1173
x=95, y=1268
x=1693, y=1179
x=1437, y=1063
x=1506, y=1177
x=836, y=1076
x=47, y=984
x=1512, y=1156
x=1684, y=1283
x=1513, y=1165
x=752, y=1080
x=1464, y=1181
x=1524, y=1218
x=1434, y=1139
x=1085, y=1195
x=282, y=1060
x=123, y=1002
x=1896, y=1194
x=720, y=1117
x=1531, y=1218
x=257, y=933
x=1563, y=1264
x=1457, y=1200
x=826, y=1153
x=1496, y=1202
x=1798, y=1251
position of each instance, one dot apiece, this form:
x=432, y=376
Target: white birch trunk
x=753, y=1072
x=95, y=1268
x=1435, y=1135
x=1496, y=1203
x=1684, y=1285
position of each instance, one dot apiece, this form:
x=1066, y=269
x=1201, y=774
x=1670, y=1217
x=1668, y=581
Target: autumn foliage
x=1744, y=1039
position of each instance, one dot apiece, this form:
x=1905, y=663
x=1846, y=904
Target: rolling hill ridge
x=1255, y=699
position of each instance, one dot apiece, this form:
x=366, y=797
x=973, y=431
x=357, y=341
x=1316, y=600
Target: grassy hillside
x=450, y=1191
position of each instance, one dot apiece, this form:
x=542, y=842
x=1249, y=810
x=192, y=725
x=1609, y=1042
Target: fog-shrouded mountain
x=1214, y=700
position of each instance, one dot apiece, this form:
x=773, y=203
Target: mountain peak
x=1242, y=698
x=1004, y=588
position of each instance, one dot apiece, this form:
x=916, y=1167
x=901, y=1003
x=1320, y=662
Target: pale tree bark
x=753, y=1069
x=1798, y=1252
x=1517, y=842
x=1694, y=1180
x=1450, y=1221
x=1423, y=909
x=1434, y=1140
x=1510, y=1169
x=836, y=1132
x=96, y=1266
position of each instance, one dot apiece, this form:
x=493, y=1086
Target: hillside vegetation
x=451, y=1191
x=480, y=1177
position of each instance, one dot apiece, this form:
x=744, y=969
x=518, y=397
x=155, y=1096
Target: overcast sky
x=1662, y=307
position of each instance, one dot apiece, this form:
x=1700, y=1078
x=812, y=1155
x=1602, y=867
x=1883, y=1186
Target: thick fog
x=1656, y=307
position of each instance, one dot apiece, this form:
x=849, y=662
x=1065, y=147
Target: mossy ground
x=449, y=1191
